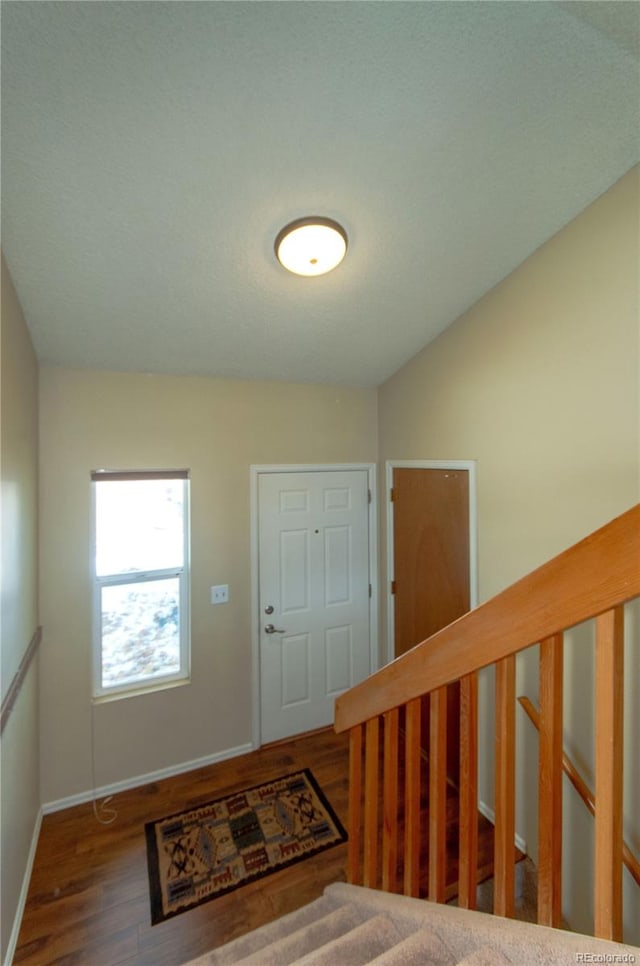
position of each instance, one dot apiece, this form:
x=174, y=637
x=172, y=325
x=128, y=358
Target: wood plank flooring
x=88, y=901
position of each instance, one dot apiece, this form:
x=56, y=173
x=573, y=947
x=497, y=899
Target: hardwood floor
x=88, y=900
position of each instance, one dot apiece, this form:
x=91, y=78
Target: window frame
x=158, y=682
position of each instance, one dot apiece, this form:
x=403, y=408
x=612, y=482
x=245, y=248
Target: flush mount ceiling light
x=311, y=246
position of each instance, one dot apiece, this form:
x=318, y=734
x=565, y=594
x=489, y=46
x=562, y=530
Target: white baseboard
x=138, y=780
x=491, y=815
x=102, y=792
x=22, y=899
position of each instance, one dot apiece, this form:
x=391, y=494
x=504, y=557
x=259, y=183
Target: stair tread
x=359, y=946
x=292, y=947
x=421, y=947
x=486, y=956
x=242, y=947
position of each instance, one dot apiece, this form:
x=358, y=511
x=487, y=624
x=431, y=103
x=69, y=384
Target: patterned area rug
x=198, y=855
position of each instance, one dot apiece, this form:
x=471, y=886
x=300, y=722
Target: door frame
x=255, y=472
x=470, y=466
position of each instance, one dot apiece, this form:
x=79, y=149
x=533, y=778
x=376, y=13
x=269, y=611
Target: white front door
x=313, y=535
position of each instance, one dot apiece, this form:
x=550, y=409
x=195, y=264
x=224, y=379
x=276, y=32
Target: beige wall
x=18, y=457
x=216, y=428
x=539, y=383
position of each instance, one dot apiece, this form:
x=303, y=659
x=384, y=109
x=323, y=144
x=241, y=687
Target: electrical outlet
x=220, y=594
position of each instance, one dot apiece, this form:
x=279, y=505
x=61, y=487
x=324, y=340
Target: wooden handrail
x=18, y=678
x=600, y=572
x=583, y=790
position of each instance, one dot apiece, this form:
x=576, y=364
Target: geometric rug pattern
x=203, y=853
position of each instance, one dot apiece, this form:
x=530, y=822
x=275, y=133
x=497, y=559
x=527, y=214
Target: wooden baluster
x=371, y=791
x=390, y=802
x=438, y=794
x=584, y=792
x=355, y=805
x=504, y=841
x=412, y=799
x=609, y=758
x=468, y=842
x=550, y=783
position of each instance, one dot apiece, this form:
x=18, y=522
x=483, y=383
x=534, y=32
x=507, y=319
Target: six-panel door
x=314, y=595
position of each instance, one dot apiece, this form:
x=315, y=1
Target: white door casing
x=313, y=567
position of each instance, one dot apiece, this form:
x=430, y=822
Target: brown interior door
x=431, y=568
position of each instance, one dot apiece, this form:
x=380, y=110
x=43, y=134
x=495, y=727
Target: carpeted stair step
x=307, y=939
x=486, y=956
x=357, y=947
x=421, y=947
x=242, y=947
x=393, y=930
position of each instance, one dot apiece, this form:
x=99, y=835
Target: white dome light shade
x=311, y=246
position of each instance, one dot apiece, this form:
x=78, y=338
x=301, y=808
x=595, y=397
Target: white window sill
x=136, y=691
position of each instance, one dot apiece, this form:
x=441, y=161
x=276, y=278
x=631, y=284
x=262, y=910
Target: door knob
x=270, y=629
x=269, y=609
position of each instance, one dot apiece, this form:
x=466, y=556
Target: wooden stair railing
x=583, y=790
x=592, y=579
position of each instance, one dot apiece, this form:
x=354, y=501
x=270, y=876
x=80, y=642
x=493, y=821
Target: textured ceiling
x=152, y=151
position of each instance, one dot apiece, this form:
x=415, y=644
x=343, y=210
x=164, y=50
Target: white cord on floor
x=103, y=814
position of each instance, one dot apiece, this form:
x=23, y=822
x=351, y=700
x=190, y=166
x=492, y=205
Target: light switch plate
x=220, y=594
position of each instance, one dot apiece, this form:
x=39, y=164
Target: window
x=141, y=580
